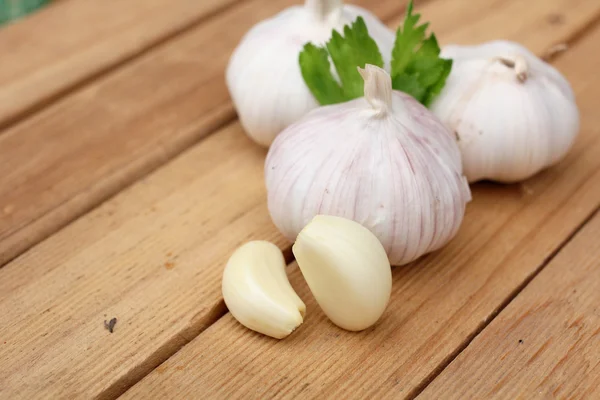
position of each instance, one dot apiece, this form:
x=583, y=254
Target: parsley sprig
x=416, y=67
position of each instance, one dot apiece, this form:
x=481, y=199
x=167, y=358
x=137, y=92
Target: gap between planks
x=71, y=87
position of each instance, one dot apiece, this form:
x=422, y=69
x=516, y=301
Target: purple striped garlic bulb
x=382, y=160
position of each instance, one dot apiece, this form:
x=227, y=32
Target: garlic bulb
x=346, y=269
x=383, y=161
x=257, y=291
x=513, y=114
x=263, y=75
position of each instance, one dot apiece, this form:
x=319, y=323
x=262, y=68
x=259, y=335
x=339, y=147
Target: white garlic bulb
x=257, y=292
x=512, y=113
x=383, y=160
x=263, y=75
x=346, y=269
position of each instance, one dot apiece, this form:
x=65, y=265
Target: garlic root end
x=518, y=63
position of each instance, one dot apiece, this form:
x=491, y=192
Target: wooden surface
x=437, y=305
x=120, y=127
x=152, y=125
x=547, y=341
x=67, y=42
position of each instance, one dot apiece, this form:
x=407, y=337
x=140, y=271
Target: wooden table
x=126, y=183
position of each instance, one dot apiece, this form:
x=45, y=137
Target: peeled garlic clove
x=384, y=161
x=257, y=291
x=512, y=113
x=347, y=270
x=263, y=75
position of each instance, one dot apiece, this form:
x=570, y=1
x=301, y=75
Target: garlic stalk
x=512, y=113
x=347, y=270
x=263, y=75
x=383, y=160
x=257, y=291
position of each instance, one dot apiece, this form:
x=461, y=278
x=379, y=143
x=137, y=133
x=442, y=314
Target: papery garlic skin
x=346, y=269
x=263, y=75
x=512, y=113
x=258, y=293
x=384, y=161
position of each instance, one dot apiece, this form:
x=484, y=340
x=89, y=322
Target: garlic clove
x=258, y=293
x=347, y=270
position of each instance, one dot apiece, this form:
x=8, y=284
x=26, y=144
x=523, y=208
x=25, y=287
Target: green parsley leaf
x=316, y=71
x=417, y=68
x=355, y=49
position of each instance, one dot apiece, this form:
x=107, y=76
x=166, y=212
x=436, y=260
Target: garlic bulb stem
x=378, y=88
x=324, y=9
x=518, y=63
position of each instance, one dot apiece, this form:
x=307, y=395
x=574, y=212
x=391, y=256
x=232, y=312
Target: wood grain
x=67, y=159
x=546, y=343
x=151, y=256
x=67, y=42
x=535, y=23
x=438, y=303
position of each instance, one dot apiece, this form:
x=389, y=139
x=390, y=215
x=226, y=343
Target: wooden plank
x=546, y=343
x=67, y=159
x=67, y=42
x=534, y=23
x=151, y=256
x=437, y=304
